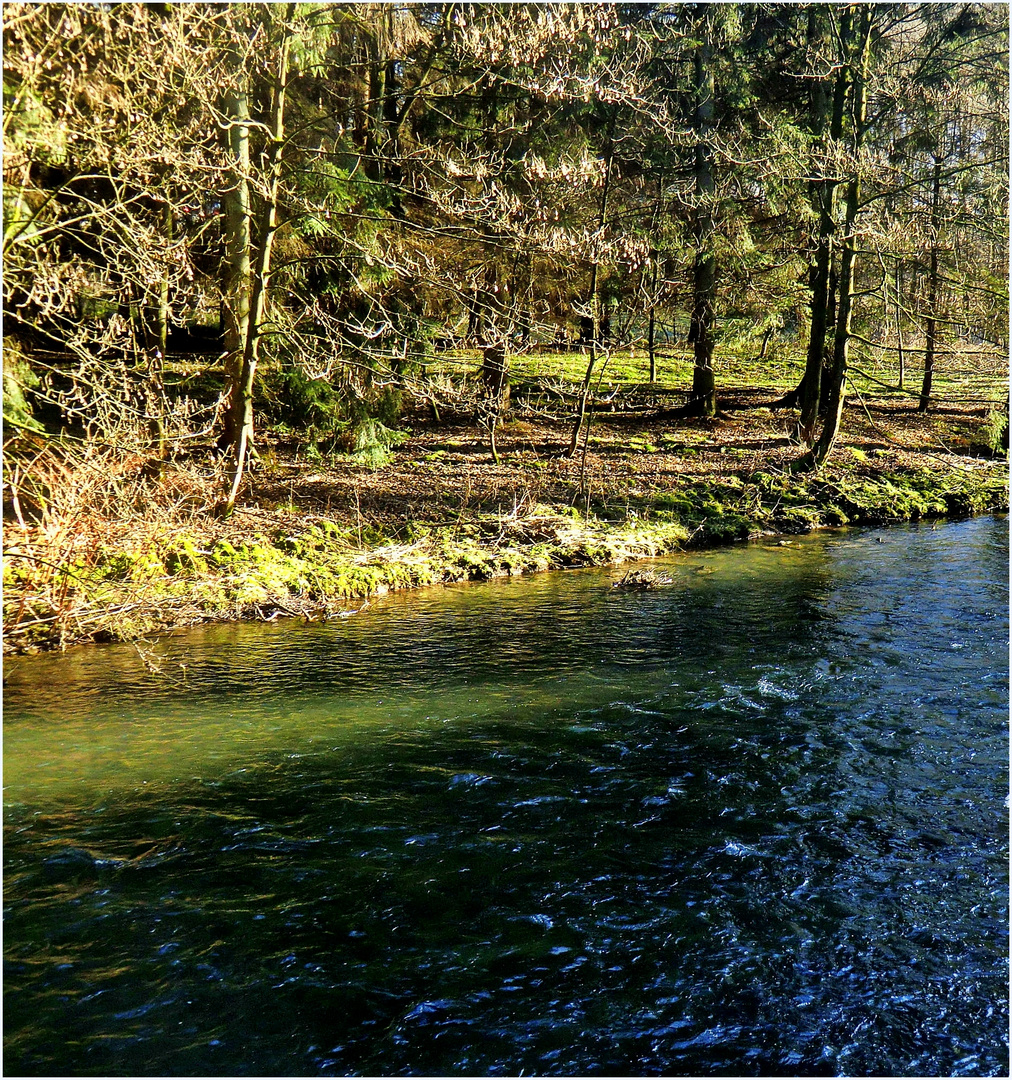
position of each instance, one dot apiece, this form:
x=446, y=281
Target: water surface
x=752, y=823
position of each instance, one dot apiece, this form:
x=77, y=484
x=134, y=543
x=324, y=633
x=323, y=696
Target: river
x=751, y=823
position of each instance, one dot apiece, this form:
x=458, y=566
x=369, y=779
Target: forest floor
x=310, y=538
x=633, y=457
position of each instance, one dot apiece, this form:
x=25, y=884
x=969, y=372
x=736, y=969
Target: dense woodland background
x=318, y=215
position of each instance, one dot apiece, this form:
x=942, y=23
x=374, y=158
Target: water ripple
x=754, y=824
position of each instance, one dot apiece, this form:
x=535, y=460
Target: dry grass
x=67, y=508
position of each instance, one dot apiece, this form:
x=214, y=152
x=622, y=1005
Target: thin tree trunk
x=495, y=365
x=651, y=318
x=704, y=274
x=238, y=271
x=393, y=173
x=162, y=310
x=595, y=299
x=495, y=379
x=899, y=319
x=261, y=277
x=651, y=329
x=581, y=410
x=810, y=391
x=156, y=359
x=841, y=340
x=375, y=130
x=495, y=376
x=848, y=258
x=931, y=324
x=489, y=313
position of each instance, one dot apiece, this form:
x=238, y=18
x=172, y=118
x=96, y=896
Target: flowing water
x=751, y=823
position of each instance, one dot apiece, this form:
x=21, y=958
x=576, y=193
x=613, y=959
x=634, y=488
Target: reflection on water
x=753, y=823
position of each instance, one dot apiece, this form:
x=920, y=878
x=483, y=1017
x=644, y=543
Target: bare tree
x=242, y=393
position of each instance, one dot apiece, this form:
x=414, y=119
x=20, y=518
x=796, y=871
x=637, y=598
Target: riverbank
x=314, y=537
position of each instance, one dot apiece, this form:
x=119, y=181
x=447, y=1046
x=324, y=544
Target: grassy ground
x=121, y=547
x=967, y=374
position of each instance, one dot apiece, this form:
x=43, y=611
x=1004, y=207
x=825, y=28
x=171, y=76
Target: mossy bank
x=314, y=566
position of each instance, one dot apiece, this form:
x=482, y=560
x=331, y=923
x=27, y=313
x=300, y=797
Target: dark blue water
x=753, y=823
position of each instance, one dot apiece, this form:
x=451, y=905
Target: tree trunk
x=581, y=409
x=162, y=309
x=261, y=277
x=651, y=328
x=595, y=298
x=811, y=388
x=823, y=197
x=654, y=270
x=473, y=334
x=374, y=111
x=899, y=320
x=237, y=266
x=841, y=340
x=393, y=173
x=931, y=324
x=848, y=256
x=704, y=274
x=495, y=367
x=156, y=356
x=495, y=376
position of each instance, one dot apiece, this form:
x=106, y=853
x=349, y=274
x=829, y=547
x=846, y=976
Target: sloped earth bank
x=314, y=538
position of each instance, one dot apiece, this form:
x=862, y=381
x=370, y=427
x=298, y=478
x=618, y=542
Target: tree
x=334, y=188
x=823, y=196
x=857, y=39
x=255, y=324
x=595, y=291
x=103, y=163
x=704, y=270
x=910, y=81
x=237, y=264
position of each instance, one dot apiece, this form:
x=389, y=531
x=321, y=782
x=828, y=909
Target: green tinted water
x=751, y=823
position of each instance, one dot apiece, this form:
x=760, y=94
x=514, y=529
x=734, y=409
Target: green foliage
x=98, y=308
x=185, y=558
x=17, y=377
x=335, y=419
x=995, y=431
x=294, y=398
x=374, y=442
x=386, y=408
x=31, y=123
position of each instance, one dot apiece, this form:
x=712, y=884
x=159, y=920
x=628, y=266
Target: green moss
x=187, y=558
x=722, y=528
x=222, y=554
x=797, y=521
x=325, y=561
x=995, y=431
x=640, y=445
x=796, y=503
x=834, y=515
